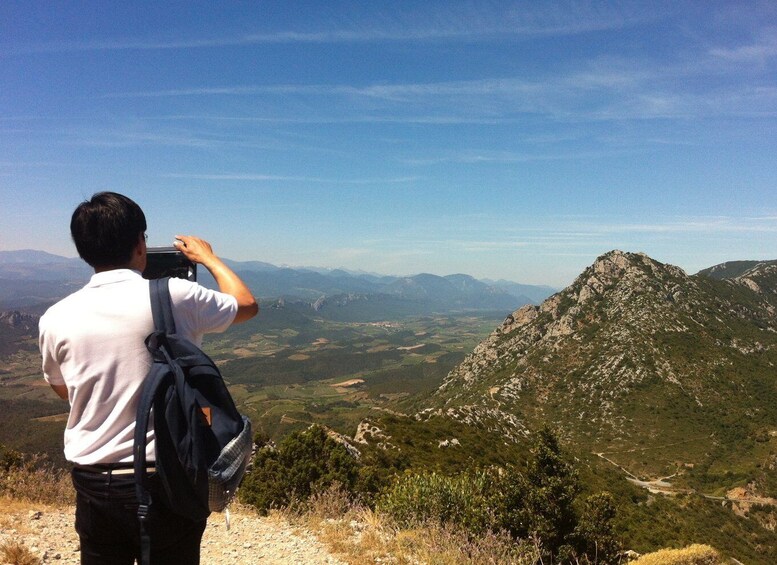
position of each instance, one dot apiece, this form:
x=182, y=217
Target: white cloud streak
x=286, y=178
x=575, y=232
x=759, y=51
x=606, y=91
x=720, y=225
x=456, y=22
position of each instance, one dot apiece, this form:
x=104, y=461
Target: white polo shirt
x=93, y=342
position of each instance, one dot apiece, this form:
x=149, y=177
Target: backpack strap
x=162, y=312
x=161, y=305
x=150, y=386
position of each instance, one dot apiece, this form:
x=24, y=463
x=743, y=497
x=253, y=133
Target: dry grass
x=358, y=535
x=696, y=554
x=11, y=509
x=34, y=480
x=14, y=553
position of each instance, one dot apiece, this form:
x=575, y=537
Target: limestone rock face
x=520, y=317
x=628, y=324
x=761, y=278
x=613, y=264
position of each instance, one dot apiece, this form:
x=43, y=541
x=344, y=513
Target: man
x=94, y=356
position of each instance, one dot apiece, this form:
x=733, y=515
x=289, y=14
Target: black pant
x=107, y=523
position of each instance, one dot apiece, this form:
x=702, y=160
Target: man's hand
x=196, y=250
x=199, y=251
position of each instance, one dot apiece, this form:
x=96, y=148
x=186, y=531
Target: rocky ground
x=49, y=534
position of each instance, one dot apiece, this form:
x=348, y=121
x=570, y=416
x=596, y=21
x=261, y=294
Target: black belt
x=112, y=468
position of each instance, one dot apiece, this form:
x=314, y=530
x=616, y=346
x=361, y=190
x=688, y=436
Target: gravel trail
x=49, y=534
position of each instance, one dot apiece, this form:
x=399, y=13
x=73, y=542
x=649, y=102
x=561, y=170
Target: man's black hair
x=106, y=229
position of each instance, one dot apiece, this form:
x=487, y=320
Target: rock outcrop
x=630, y=331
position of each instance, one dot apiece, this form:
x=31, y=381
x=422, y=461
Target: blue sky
x=514, y=140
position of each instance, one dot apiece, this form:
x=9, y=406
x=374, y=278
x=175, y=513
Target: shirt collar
x=113, y=276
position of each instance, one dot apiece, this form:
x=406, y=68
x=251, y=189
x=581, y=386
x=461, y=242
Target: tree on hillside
x=304, y=463
x=541, y=503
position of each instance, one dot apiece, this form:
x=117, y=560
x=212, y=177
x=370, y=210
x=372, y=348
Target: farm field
x=285, y=372
x=335, y=373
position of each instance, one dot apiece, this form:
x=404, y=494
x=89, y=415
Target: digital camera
x=168, y=262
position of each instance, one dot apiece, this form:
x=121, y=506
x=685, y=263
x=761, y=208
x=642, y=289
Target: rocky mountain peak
x=620, y=275
x=615, y=262
x=627, y=326
x=616, y=267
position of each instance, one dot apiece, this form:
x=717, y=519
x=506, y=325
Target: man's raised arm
x=199, y=251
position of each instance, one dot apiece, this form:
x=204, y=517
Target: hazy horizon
x=505, y=140
x=300, y=267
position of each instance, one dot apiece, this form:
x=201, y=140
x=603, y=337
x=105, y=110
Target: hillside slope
x=661, y=372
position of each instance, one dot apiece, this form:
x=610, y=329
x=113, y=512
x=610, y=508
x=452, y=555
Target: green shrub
x=377, y=470
x=594, y=534
x=541, y=504
x=428, y=497
x=304, y=463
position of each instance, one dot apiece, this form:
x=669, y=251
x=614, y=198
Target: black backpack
x=203, y=444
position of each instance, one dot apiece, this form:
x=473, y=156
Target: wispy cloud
x=391, y=92
x=345, y=119
x=136, y=132
x=759, y=51
x=702, y=226
x=507, y=157
x=37, y=164
x=604, y=91
x=287, y=178
x=569, y=232
x=452, y=22
x=124, y=139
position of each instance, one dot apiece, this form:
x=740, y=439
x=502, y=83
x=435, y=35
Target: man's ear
x=139, y=254
x=140, y=247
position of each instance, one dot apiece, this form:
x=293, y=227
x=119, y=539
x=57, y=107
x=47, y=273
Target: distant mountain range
x=34, y=279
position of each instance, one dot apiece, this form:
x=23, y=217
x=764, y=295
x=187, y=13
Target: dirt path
x=49, y=534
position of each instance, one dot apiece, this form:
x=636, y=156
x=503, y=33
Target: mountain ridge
x=33, y=278
x=731, y=269
x=637, y=353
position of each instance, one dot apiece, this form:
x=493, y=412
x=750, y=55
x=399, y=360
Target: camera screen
x=168, y=262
